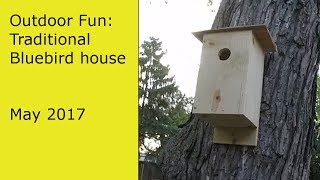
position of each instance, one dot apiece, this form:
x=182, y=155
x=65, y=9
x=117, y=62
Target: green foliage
x=315, y=160
x=162, y=107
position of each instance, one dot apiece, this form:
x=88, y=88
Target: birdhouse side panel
x=253, y=90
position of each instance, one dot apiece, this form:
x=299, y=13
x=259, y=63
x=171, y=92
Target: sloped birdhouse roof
x=261, y=32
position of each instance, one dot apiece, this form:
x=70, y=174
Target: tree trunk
x=287, y=106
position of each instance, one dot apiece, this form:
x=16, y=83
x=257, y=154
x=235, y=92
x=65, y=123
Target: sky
x=173, y=21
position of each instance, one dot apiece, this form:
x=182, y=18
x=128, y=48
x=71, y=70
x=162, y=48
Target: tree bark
x=287, y=106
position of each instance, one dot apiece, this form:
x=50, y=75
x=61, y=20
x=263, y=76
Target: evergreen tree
x=162, y=107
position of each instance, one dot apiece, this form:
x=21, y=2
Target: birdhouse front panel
x=222, y=75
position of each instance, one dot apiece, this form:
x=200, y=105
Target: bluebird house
x=229, y=86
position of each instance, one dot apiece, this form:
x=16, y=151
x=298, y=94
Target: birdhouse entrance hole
x=224, y=54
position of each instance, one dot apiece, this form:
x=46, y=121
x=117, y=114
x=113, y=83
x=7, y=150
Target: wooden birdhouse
x=229, y=85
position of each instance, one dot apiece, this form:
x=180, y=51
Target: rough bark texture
x=287, y=107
